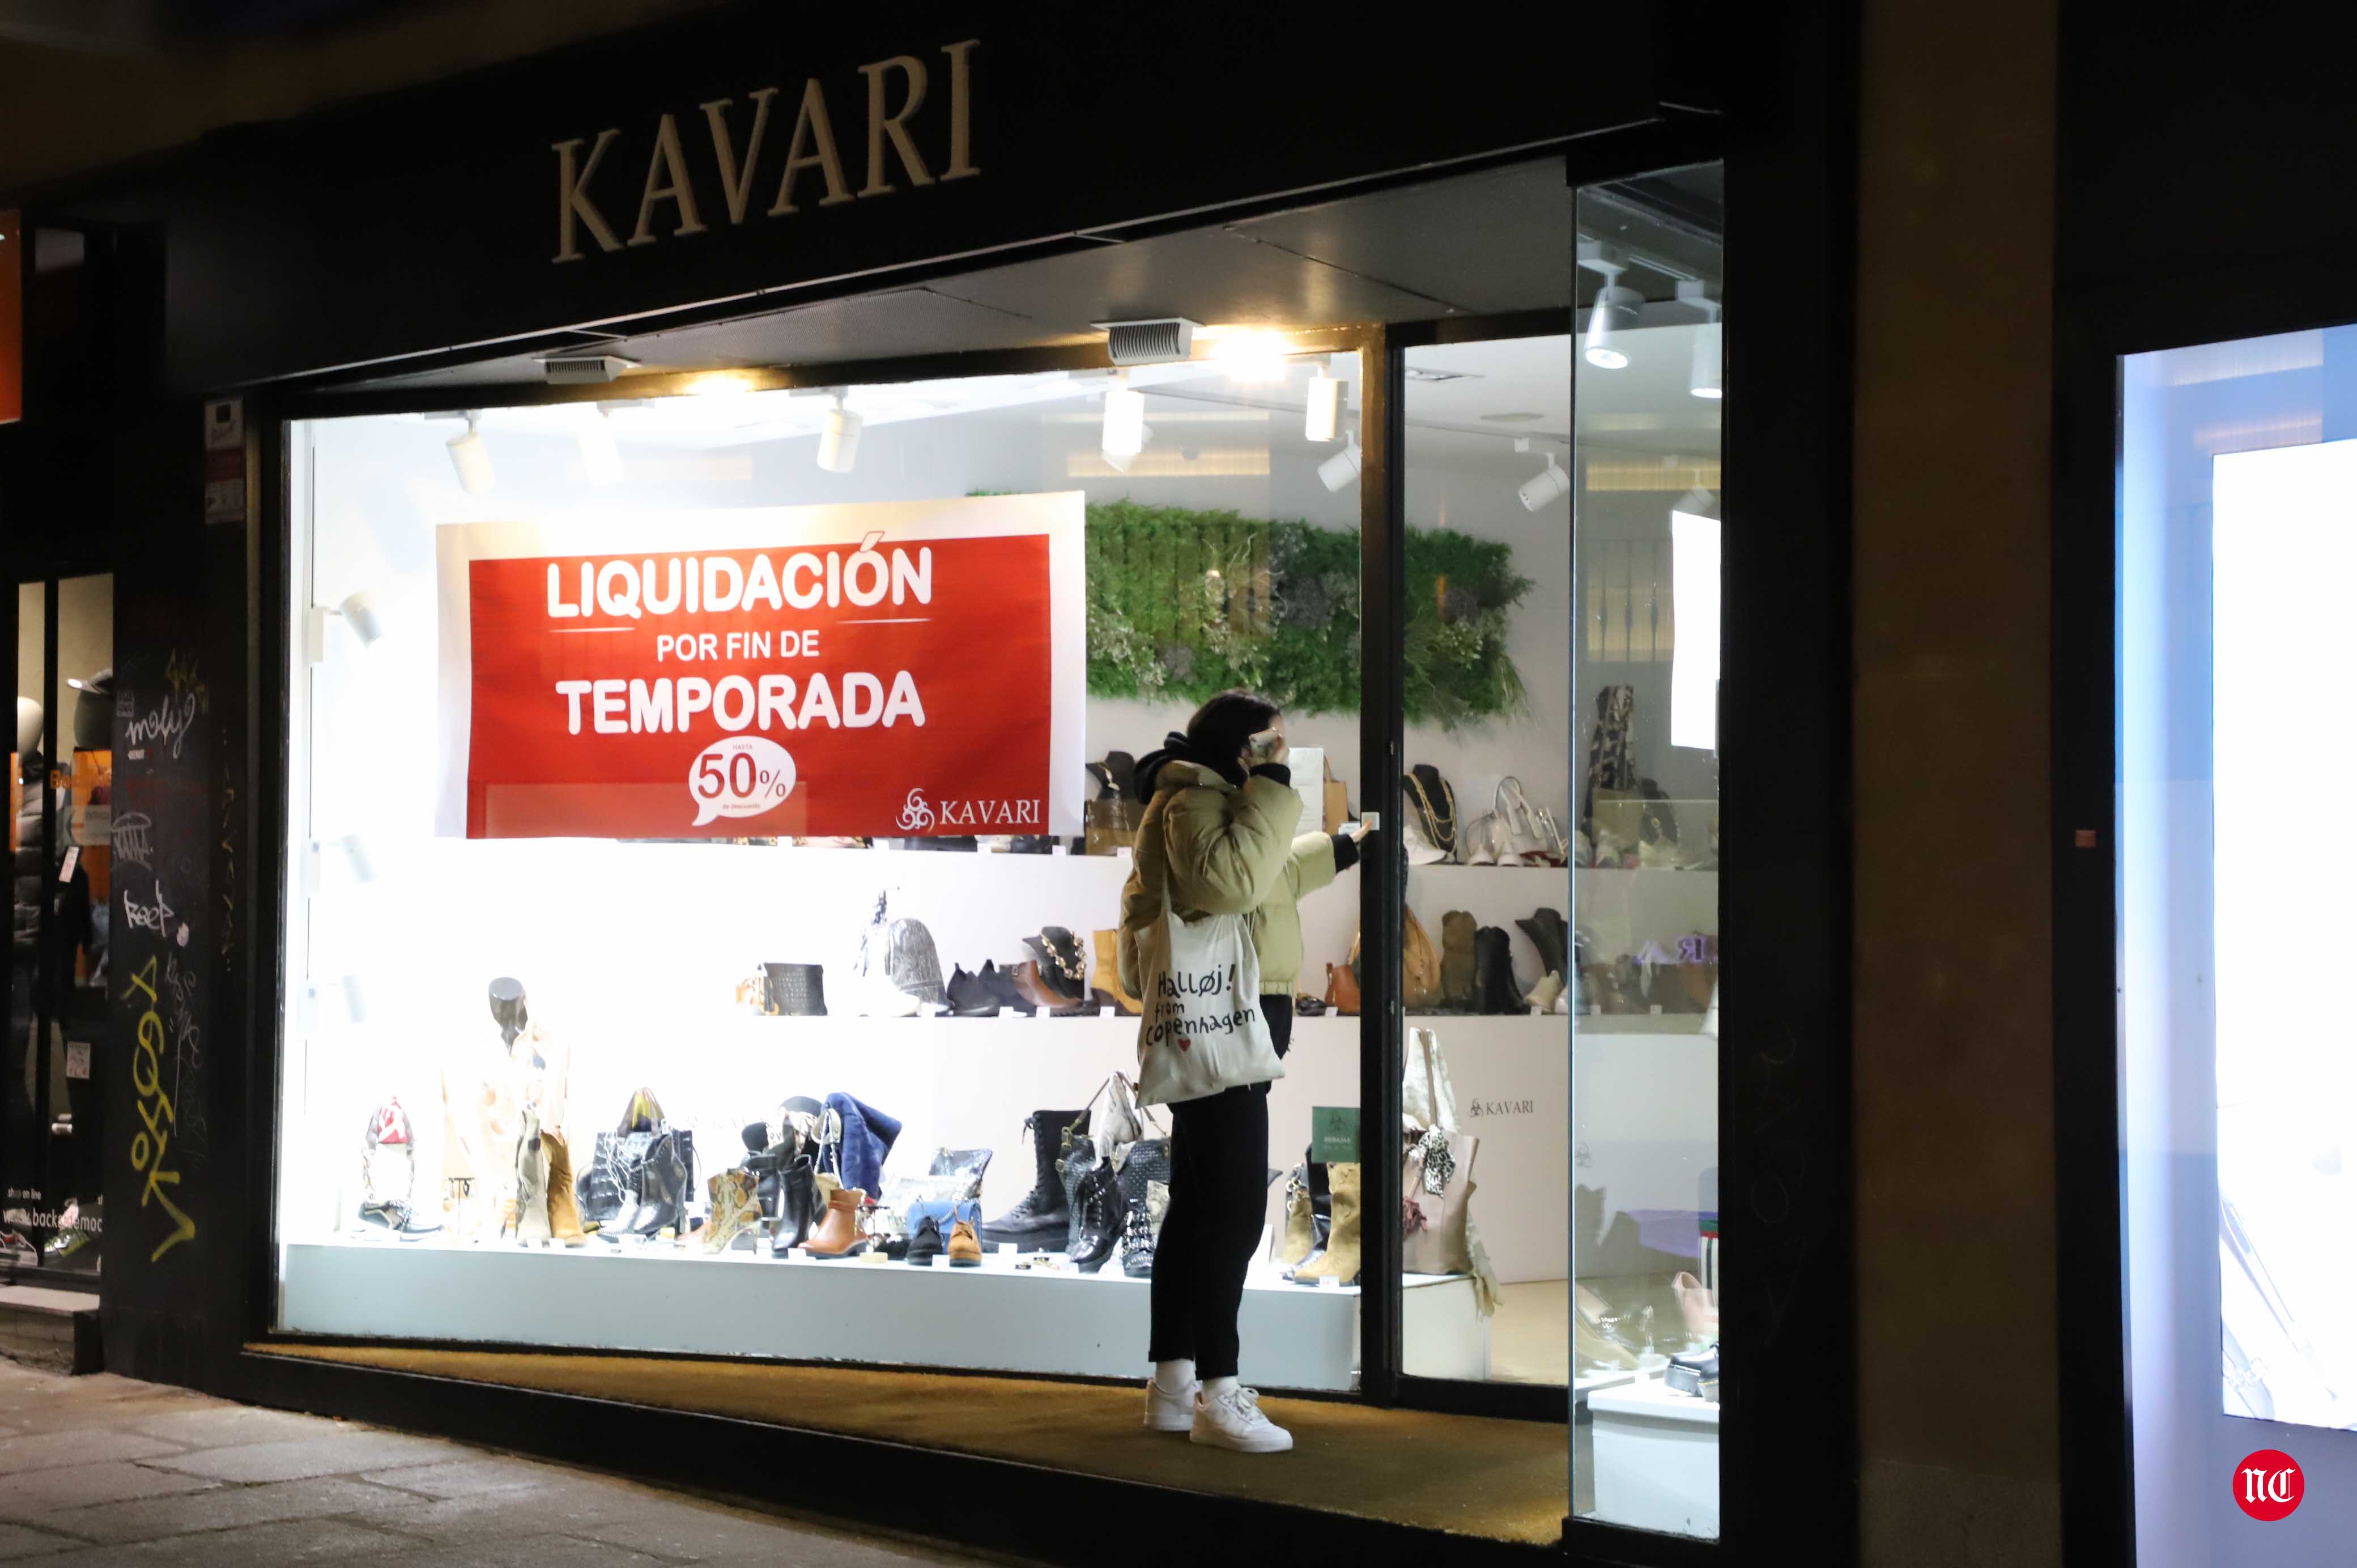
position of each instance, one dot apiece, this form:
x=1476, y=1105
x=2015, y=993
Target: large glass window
x=728, y=797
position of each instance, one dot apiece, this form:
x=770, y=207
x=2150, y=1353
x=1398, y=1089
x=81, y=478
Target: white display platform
x=992, y=1318
x=1655, y=1457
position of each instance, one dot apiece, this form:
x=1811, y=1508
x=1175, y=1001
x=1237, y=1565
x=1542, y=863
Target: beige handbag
x=1436, y=1189
x=1419, y=967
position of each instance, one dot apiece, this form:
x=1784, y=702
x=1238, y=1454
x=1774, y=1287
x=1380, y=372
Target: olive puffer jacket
x=1224, y=850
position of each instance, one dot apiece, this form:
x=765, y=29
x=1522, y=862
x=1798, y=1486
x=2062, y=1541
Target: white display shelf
x=995, y=1317
x=1656, y=1459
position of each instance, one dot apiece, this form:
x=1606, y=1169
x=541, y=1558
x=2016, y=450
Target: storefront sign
x=901, y=670
x=809, y=169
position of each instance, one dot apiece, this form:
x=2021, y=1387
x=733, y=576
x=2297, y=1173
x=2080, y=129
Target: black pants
x=1218, y=1201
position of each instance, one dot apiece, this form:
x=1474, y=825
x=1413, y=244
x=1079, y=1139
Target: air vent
x=1158, y=342
x=575, y=370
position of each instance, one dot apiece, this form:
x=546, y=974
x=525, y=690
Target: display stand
x=1656, y=1459
x=994, y=1318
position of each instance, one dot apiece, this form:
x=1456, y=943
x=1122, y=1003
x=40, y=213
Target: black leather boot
x=1549, y=934
x=1037, y=1223
x=1494, y=991
x=662, y=1189
x=1102, y=1214
x=1000, y=984
x=798, y=1206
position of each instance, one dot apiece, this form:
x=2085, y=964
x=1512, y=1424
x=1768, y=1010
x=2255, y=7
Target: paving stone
x=30, y=1493
x=223, y=1507
x=546, y=1551
x=211, y=1425
x=57, y=1450
x=248, y=1546
x=18, y=1541
x=689, y=1534
x=468, y=1477
x=332, y=1451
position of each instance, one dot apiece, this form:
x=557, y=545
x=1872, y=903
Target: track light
x=1121, y=462
x=1548, y=484
x=360, y=613
x=1342, y=470
x=471, y=458
x=601, y=458
x=1324, y=411
x=838, y=438
x=1125, y=424
x=1614, y=310
x=1702, y=374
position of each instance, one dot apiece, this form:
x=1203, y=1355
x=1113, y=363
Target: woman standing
x=1218, y=838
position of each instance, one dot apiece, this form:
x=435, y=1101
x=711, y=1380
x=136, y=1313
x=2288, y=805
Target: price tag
x=73, y=859
x=76, y=1058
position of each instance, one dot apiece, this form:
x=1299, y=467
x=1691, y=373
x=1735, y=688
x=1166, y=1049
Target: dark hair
x=1218, y=731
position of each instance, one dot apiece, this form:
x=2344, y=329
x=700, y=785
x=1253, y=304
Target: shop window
x=731, y=797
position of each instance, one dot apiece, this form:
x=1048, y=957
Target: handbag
x=1201, y=1031
x=1419, y=967
x=1122, y=1122
x=1342, y=990
x=1436, y=1189
x=1138, y=1164
x=794, y=990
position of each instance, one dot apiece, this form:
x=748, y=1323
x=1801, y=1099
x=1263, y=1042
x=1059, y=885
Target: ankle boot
x=838, y=1233
x=1001, y=984
x=564, y=1205
x=736, y=1217
x=1038, y=1223
x=1494, y=991
x=1456, y=929
x=970, y=998
x=1109, y=972
x=1339, y=1260
x=798, y=1206
x=1550, y=934
x=531, y=1181
x=1098, y=1202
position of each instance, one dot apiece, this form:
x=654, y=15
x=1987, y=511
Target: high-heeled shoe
x=1697, y=1306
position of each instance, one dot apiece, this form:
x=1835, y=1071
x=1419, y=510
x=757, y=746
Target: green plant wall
x=1183, y=604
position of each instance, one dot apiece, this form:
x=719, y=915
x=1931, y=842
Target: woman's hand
x=1265, y=748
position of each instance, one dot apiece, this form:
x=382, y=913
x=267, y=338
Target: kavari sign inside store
x=900, y=670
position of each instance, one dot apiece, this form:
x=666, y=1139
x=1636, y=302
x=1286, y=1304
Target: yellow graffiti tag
x=149, y=1148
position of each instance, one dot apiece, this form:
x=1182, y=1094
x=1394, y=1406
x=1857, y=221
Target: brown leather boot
x=1339, y=1260
x=838, y=1233
x=1109, y=971
x=736, y=1216
x=564, y=1210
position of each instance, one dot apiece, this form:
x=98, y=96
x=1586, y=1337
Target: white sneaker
x=1169, y=1412
x=1233, y=1420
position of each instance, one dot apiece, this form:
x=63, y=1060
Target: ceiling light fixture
x=1341, y=470
x=1254, y=359
x=1323, y=414
x=1156, y=341
x=1614, y=310
x=601, y=456
x=1125, y=422
x=838, y=438
x=1121, y=462
x=1703, y=372
x=577, y=369
x=1546, y=485
x=471, y=458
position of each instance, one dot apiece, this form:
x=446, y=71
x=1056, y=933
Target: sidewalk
x=104, y=1470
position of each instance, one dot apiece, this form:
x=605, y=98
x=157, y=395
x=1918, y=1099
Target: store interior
x=1561, y=823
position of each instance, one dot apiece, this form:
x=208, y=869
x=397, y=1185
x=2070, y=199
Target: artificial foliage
x=1183, y=604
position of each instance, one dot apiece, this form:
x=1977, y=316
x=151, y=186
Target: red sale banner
x=865, y=674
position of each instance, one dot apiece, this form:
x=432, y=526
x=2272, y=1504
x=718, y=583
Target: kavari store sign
x=901, y=670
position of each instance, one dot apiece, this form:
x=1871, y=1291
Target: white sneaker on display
x=1169, y=1412
x=1233, y=1420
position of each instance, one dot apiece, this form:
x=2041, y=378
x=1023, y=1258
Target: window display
x=599, y=977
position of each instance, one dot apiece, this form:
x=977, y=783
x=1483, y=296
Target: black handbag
x=636, y=1181
x=1148, y=1160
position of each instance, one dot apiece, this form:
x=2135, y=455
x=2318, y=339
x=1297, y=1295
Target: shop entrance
x=61, y=846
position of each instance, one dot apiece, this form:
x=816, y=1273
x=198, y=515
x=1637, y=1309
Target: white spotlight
x=1544, y=486
x=1254, y=359
x=1125, y=424
x=838, y=439
x=1121, y=462
x=1325, y=410
x=1614, y=312
x=471, y=458
x=601, y=458
x=1342, y=468
x=360, y=613
x=1702, y=374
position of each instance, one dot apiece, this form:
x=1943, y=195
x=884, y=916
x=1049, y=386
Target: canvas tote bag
x=1201, y=1030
